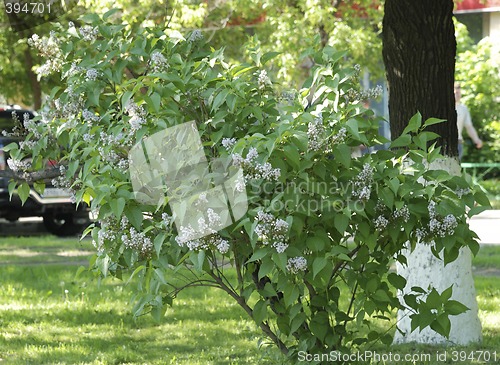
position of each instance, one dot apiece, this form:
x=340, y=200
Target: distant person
x=464, y=120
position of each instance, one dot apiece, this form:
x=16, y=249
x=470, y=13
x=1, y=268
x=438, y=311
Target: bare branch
x=30, y=177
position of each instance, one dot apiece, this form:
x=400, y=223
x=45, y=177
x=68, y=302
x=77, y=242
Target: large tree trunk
x=419, y=49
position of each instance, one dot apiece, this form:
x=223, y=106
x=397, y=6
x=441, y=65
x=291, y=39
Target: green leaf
x=432, y=121
x=402, y=141
x=318, y=264
x=257, y=255
x=266, y=267
x=23, y=191
x=442, y=325
x=219, y=99
x=319, y=325
x=455, y=308
x=447, y=293
x=135, y=216
x=341, y=223
x=268, y=56
x=259, y=312
x=315, y=243
x=414, y=124
x=434, y=299
x=117, y=206
x=342, y=153
x=397, y=281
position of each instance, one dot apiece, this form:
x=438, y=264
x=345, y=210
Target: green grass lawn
x=47, y=316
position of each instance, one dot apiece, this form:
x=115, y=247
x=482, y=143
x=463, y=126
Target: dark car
x=60, y=215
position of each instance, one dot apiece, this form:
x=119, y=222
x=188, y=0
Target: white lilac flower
x=461, y=192
x=186, y=234
x=202, y=199
x=223, y=246
x=27, y=145
x=253, y=169
x=196, y=35
x=213, y=218
x=432, y=209
x=449, y=224
x=403, y=213
x=123, y=164
x=280, y=247
x=362, y=183
x=263, y=79
x=381, y=223
x=137, y=241
x=340, y=136
x=270, y=230
x=89, y=116
x=315, y=134
x=228, y=143
x=166, y=220
x=74, y=70
x=136, y=123
x=158, y=62
x=421, y=233
x=89, y=33
x=48, y=48
x=296, y=264
x=16, y=165
x=91, y=74
x=251, y=155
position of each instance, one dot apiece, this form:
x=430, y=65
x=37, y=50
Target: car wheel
x=62, y=224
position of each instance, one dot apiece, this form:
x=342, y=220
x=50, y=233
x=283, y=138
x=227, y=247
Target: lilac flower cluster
x=135, y=240
x=296, y=264
x=372, y=93
x=461, y=192
x=253, y=169
x=88, y=33
x=263, y=79
x=385, y=218
x=362, y=183
x=272, y=231
x=315, y=134
x=89, y=117
x=92, y=74
x=137, y=114
x=403, y=213
x=48, y=48
x=228, y=143
x=158, y=62
x=195, y=36
x=18, y=166
x=438, y=226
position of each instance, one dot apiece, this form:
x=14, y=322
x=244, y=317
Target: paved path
x=487, y=226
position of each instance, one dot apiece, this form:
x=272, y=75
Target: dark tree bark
x=419, y=48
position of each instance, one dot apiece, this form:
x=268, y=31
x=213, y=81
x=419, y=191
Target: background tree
x=419, y=54
x=477, y=71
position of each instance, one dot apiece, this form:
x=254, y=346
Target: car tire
x=62, y=225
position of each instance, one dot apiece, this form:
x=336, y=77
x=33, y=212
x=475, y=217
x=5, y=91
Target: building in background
x=482, y=18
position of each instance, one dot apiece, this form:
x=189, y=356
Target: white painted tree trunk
x=425, y=270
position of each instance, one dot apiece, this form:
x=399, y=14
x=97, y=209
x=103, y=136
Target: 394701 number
x=27, y=8
x=477, y=355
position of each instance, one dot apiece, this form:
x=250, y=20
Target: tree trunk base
x=424, y=270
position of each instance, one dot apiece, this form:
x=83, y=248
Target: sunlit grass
x=47, y=316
